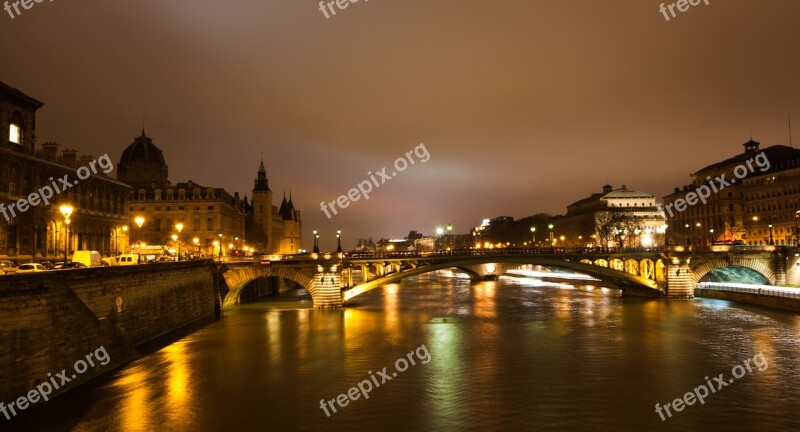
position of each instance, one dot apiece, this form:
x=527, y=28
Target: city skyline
x=518, y=119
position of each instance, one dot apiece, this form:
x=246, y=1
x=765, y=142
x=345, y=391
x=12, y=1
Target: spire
x=261, y=168
x=261, y=183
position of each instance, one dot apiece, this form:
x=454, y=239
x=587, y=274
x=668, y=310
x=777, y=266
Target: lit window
x=15, y=134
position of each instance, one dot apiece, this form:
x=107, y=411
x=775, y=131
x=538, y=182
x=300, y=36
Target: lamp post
x=771, y=240
x=712, y=236
x=196, y=242
x=550, y=227
x=699, y=236
x=139, y=222
x=316, y=241
x=449, y=236
x=687, y=234
x=796, y=216
x=179, y=227
x=66, y=211
x=339, y=241
x=533, y=237
x=175, y=239
x=220, y=247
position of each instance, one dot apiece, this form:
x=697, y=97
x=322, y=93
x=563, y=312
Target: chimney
x=751, y=146
x=85, y=160
x=69, y=157
x=607, y=188
x=50, y=150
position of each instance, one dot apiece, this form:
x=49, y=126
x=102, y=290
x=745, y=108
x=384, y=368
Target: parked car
x=88, y=258
x=74, y=265
x=31, y=268
x=110, y=261
x=48, y=265
x=128, y=259
x=8, y=267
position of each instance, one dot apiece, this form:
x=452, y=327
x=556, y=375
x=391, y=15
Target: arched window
x=12, y=181
x=15, y=128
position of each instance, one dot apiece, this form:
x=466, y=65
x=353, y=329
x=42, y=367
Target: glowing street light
x=533, y=236
x=339, y=241
x=196, y=242
x=66, y=211
x=316, y=241
x=139, y=222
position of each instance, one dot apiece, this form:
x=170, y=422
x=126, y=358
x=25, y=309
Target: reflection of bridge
x=333, y=279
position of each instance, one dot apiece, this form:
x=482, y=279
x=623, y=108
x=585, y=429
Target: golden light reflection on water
x=179, y=391
x=274, y=338
x=484, y=295
x=135, y=406
x=303, y=329
x=391, y=311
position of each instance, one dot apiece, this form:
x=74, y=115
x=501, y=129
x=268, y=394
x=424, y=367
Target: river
x=509, y=355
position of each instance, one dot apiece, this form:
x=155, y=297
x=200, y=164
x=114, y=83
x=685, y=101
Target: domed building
x=615, y=217
x=209, y=217
x=142, y=164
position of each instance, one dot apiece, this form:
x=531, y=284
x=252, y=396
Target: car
x=88, y=258
x=48, y=265
x=128, y=259
x=8, y=267
x=74, y=265
x=31, y=268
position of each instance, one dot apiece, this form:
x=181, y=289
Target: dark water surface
x=504, y=356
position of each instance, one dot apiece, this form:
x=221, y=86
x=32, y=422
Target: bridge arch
x=626, y=281
x=237, y=278
x=759, y=266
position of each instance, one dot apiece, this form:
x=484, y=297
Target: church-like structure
x=209, y=217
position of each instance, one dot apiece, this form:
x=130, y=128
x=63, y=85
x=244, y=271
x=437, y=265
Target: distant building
x=204, y=212
x=615, y=217
x=99, y=201
x=275, y=229
x=742, y=210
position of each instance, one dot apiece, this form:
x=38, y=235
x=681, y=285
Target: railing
x=764, y=290
x=503, y=251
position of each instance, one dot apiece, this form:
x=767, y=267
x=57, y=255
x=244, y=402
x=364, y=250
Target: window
x=181, y=194
x=180, y=207
x=15, y=128
x=15, y=134
x=210, y=224
x=157, y=225
x=211, y=207
x=196, y=225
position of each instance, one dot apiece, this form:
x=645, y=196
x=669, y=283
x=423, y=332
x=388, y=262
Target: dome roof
x=142, y=164
x=626, y=193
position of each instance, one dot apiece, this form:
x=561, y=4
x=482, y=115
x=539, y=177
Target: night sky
x=524, y=105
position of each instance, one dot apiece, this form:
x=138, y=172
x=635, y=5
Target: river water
x=510, y=355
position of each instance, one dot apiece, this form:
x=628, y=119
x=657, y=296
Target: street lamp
x=687, y=234
x=316, y=241
x=66, y=211
x=796, y=216
x=771, y=241
x=449, y=236
x=196, y=242
x=550, y=227
x=139, y=222
x=712, y=236
x=179, y=227
x=220, y=247
x=175, y=239
x=533, y=236
x=339, y=241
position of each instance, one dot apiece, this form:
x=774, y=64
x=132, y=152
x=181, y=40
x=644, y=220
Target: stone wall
x=789, y=304
x=48, y=321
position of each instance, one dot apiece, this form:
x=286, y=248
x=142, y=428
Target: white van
x=88, y=258
x=128, y=259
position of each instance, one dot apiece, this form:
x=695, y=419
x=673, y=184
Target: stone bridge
x=333, y=279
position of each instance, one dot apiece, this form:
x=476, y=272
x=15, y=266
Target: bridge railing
x=765, y=290
x=503, y=251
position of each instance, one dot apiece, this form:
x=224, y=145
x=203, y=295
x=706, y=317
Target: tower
x=262, y=207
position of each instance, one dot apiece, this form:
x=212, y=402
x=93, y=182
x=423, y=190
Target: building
x=756, y=205
x=98, y=221
x=277, y=230
x=210, y=217
x=613, y=217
